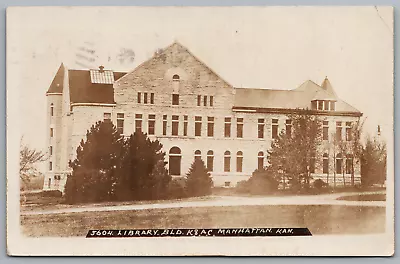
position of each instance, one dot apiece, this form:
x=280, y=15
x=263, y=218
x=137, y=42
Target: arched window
x=325, y=163
x=239, y=161
x=197, y=154
x=227, y=161
x=349, y=163
x=339, y=164
x=175, y=77
x=210, y=160
x=260, y=159
x=51, y=109
x=175, y=161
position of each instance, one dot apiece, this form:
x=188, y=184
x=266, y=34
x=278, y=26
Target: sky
x=256, y=47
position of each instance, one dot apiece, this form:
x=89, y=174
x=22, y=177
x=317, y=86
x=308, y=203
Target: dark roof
x=82, y=90
x=57, y=84
x=299, y=98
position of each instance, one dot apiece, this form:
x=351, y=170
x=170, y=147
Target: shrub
x=198, y=179
x=261, y=182
x=319, y=184
x=176, y=189
x=51, y=193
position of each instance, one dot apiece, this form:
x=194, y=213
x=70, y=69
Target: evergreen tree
x=198, y=179
x=93, y=175
x=373, y=162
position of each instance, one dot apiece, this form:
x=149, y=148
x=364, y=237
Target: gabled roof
x=57, y=84
x=299, y=98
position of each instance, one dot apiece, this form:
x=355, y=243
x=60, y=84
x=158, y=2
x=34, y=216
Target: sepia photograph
x=195, y=130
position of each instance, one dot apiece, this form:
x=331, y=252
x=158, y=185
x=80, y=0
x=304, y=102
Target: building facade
x=176, y=98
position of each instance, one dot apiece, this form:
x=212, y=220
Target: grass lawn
x=320, y=219
x=364, y=197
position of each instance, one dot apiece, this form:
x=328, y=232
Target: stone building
x=193, y=112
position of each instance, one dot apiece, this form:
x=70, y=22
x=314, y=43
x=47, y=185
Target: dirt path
x=326, y=199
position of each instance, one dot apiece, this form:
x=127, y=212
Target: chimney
x=101, y=69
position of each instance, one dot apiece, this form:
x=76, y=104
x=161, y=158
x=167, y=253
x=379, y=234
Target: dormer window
x=175, y=77
x=323, y=105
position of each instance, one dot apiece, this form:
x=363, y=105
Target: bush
x=198, y=179
x=176, y=189
x=319, y=184
x=261, y=182
x=51, y=193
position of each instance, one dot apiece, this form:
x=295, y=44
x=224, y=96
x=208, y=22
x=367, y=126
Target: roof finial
x=326, y=77
x=101, y=68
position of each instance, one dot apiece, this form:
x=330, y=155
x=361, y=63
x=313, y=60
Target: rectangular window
x=50, y=165
x=338, y=166
x=51, y=111
x=314, y=105
x=198, y=100
x=210, y=126
x=145, y=98
x=261, y=125
x=312, y=165
x=326, y=105
x=239, y=128
x=338, y=131
x=120, y=123
x=107, y=116
x=349, y=162
x=320, y=105
x=51, y=132
x=185, y=125
x=325, y=165
x=227, y=130
x=138, y=123
x=227, y=164
x=152, y=124
x=348, y=131
x=152, y=98
x=51, y=150
x=332, y=106
x=325, y=130
x=210, y=162
x=288, y=127
x=175, y=99
x=260, y=162
x=197, y=126
x=205, y=100
x=239, y=164
x=175, y=125
x=274, y=128
x=139, y=97
x=164, y=131
x=211, y=100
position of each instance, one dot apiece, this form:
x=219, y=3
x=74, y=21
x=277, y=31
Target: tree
x=93, y=177
x=198, y=179
x=293, y=155
x=373, y=162
x=29, y=158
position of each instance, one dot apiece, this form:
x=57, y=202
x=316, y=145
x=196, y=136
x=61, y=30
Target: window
x=185, y=125
x=338, y=131
x=261, y=127
x=175, y=99
x=260, y=160
x=349, y=164
x=289, y=128
x=139, y=96
x=320, y=105
x=325, y=163
x=198, y=100
x=210, y=160
x=49, y=183
x=164, y=125
x=210, y=126
x=239, y=128
x=197, y=155
x=175, y=125
x=50, y=166
x=51, y=150
x=312, y=163
x=326, y=105
x=120, y=123
x=325, y=130
x=339, y=161
x=175, y=77
x=51, y=132
x=314, y=105
x=152, y=124
x=175, y=161
x=205, y=100
x=145, y=98
x=227, y=161
x=197, y=126
x=274, y=128
x=107, y=117
x=332, y=106
x=348, y=131
x=211, y=100
x=51, y=110
x=138, y=123
x=227, y=130
x=239, y=161
x=227, y=184
x=152, y=98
